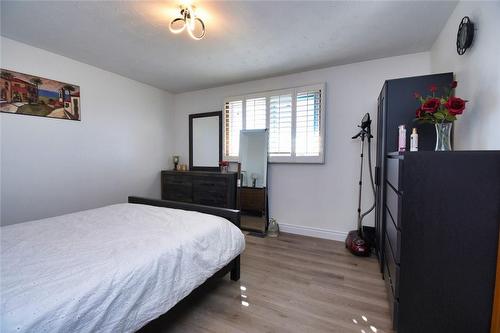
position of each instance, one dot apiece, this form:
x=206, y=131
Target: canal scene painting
x=37, y=96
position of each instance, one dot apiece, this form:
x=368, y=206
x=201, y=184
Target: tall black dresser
x=201, y=187
x=397, y=106
x=441, y=239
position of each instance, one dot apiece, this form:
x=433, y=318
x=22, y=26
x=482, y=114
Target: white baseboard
x=313, y=232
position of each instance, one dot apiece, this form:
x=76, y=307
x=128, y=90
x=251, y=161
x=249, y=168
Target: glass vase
x=443, y=137
x=273, y=229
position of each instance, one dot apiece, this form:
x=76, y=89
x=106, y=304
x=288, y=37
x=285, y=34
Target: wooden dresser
x=200, y=187
x=396, y=106
x=441, y=232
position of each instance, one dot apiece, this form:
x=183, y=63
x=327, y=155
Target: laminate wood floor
x=289, y=284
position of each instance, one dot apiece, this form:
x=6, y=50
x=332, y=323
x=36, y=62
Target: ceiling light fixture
x=195, y=26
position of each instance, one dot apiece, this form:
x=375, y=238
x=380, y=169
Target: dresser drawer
x=176, y=187
x=393, y=302
x=209, y=183
x=392, y=268
x=394, y=172
x=253, y=199
x=177, y=179
x=394, y=203
x=210, y=191
x=394, y=236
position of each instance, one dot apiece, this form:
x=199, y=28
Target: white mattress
x=111, y=269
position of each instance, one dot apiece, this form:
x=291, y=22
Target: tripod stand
x=355, y=241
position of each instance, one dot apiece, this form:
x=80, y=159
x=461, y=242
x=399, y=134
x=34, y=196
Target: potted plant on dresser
x=441, y=111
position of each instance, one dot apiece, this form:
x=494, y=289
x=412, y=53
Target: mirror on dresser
x=253, y=180
x=205, y=141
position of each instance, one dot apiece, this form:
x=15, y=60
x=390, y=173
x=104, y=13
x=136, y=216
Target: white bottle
x=414, y=140
x=402, y=138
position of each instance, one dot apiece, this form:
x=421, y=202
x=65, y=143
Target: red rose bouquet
x=224, y=166
x=436, y=110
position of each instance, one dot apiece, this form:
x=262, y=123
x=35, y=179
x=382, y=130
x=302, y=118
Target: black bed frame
x=229, y=214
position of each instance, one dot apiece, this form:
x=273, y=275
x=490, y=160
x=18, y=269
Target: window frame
x=320, y=158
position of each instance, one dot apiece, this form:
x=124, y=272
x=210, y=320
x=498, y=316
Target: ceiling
x=245, y=40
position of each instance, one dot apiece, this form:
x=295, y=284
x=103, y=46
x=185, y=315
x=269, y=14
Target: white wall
x=50, y=166
x=319, y=199
x=477, y=72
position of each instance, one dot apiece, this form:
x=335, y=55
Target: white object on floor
x=111, y=269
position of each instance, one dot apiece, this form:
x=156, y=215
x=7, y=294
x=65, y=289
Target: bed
x=112, y=269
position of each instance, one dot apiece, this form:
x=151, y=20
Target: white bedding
x=111, y=269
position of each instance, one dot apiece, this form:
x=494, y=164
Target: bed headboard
x=230, y=214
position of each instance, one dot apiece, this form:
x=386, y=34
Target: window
x=294, y=117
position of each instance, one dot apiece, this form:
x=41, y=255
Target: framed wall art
x=37, y=96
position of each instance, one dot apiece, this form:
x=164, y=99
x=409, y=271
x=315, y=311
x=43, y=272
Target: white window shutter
x=295, y=118
x=308, y=120
x=233, y=115
x=255, y=113
x=280, y=125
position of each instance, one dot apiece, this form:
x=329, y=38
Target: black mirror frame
x=203, y=115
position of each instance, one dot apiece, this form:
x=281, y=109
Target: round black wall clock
x=465, y=35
